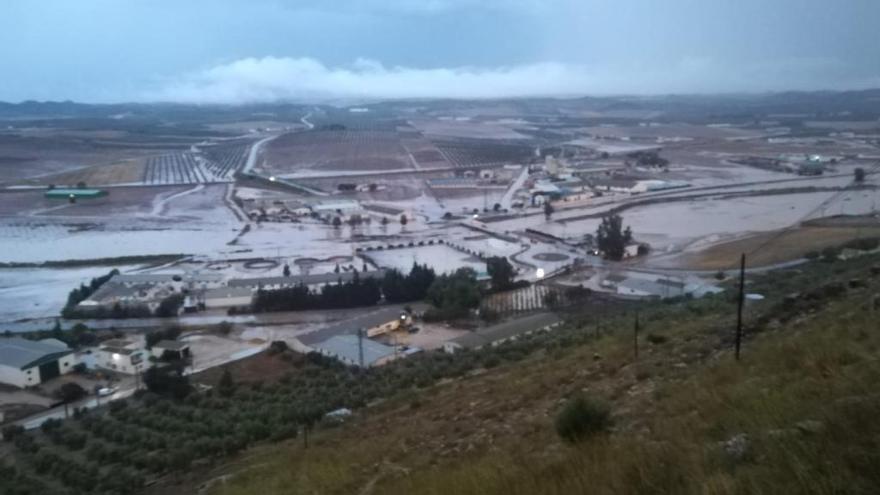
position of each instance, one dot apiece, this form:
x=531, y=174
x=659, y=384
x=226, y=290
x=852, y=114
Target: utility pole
x=740, y=301
x=361, y=347
x=636, y=336
x=306, y=435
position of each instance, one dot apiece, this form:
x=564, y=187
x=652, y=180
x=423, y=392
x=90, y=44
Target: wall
x=22, y=379
x=124, y=362
x=19, y=378
x=228, y=302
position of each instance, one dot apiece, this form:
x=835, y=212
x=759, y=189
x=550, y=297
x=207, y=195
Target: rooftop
x=319, y=278
x=506, y=330
x=383, y=209
x=171, y=345
x=350, y=327
x=80, y=193
x=650, y=287
x=347, y=348
x=224, y=292
x=21, y=353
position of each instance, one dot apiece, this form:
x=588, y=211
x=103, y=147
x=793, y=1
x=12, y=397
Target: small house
x=123, y=356
x=171, y=350
x=28, y=363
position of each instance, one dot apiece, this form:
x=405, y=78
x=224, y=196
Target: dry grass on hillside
x=774, y=247
x=798, y=415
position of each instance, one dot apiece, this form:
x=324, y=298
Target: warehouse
x=75, y=193
x=28, y=363
x=228, y=297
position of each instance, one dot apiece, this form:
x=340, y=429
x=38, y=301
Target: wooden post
x=636, y=336
x=740, y=301
x=306, y=436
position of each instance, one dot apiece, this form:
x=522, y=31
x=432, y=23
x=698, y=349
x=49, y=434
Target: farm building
x=615, y=185
x=173, y=349
x=341, y=207
x=123, y=356
x=657, y=185
x=28, y=363
x=228, y=297
x=315, y=281
x=372, y=324
x=665, y=287
x=67, y=193
x=389, y=212
x=497, y=334
x=643, y=288
x=350, y=348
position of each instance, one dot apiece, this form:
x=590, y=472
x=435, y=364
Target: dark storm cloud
x=236, y=51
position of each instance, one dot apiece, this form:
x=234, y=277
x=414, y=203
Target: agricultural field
x=335, y=150
x=128, y=221
x=442, y=258
x=179, y=168
x=476, y=153
x=467, y=128
x=223, y=161
x=531, y=298
x=45, y=157
x=42, y=292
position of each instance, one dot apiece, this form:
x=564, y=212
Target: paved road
x=91, y=402
x=305, y=121
x=255, y=151
x=517, y=184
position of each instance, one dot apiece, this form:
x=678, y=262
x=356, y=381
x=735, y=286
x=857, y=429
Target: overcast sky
x=231, y=51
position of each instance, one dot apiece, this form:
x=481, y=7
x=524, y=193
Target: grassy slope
x=493, y=433
x=774, y=247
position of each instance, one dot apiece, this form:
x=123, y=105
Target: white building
x=123, y=356
x=228, y=297
x=28, y=363
x=341, y=207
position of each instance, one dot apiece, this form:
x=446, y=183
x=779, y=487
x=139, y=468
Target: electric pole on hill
x=361, y=347
x=740, y=301
x=636, y=336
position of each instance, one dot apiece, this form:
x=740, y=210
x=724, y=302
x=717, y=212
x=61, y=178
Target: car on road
x=105, y=391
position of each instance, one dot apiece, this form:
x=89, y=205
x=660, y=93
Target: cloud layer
x=269, y=79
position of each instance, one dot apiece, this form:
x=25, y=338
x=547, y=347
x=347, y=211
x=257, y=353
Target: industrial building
x=314, y=282
x=70, y=193
x=228, y=297
x=28, y=363
x=343, y=342
x=357, y=351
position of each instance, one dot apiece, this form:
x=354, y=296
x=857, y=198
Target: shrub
x=830, y=254
x=12, y=431
x=582, y=417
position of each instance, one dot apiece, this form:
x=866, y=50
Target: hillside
x=796, y=415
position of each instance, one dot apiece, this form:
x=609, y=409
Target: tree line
x=394, y=286
x=83, y=292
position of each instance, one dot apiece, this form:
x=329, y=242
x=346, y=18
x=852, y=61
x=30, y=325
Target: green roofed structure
x=67, y=193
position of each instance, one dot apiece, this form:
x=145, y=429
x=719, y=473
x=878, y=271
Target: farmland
x=336, y=150
x=223, y=161
x=532, y=298
x=475, y=153
x=179, y=168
